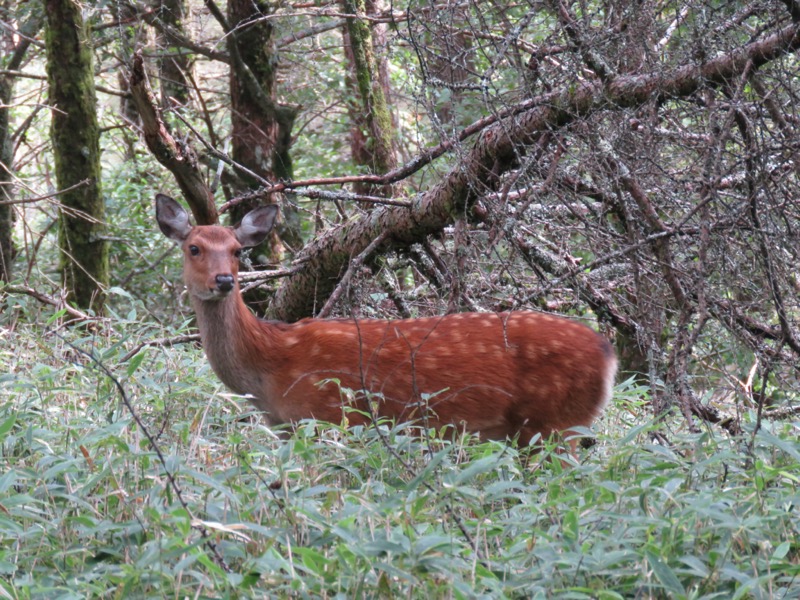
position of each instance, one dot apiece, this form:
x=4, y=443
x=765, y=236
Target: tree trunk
x=76, y=149
x=174, y=62
x=372, y=130
x=12, y=51
x=129, y=39
x=261, y=128
x=6, y=183
x=6, y=180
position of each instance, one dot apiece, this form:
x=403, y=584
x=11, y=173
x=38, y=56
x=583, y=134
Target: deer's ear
x=256, y=225
x=172, y=219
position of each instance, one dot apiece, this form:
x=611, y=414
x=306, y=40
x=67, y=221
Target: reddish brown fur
x=500, y=375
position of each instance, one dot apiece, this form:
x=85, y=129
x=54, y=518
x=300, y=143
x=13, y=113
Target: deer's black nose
x=224, y=283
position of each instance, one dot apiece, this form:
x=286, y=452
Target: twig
x=165, y=341
x=46, y=196
x=402, y=172
x=344, y=282
x=315, y=194
x=221, y=155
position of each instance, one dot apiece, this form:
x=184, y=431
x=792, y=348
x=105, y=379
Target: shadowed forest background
x=633, y=165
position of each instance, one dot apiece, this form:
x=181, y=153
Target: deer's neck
x=234, y=342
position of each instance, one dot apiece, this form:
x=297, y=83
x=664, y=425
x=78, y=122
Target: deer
x=518, y=375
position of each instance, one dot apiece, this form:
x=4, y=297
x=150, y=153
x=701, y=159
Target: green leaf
x=569, y=526
x=7, y=425
x=790, y=447
x=781, y=551
x=313, y=560
x=666, y=576
x=118, y=291
x=134, y=363
x=475, y=468
x=56, y=316
x=425, y=474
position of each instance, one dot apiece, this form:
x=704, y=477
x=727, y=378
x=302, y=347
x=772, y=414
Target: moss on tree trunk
x=373, y=116
x=76, y=149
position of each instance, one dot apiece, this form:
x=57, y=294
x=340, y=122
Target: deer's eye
x=237, y=253
x=194, y=250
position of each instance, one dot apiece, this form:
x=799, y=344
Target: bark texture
x=76, y=148
x=261, y=133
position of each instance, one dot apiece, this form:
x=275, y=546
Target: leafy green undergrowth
x=87, y=509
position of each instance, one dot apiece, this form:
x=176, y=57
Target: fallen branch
x=58, y=303
x=162, y=342
x=496, y=151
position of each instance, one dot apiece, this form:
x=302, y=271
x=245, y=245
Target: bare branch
x=178, y=158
